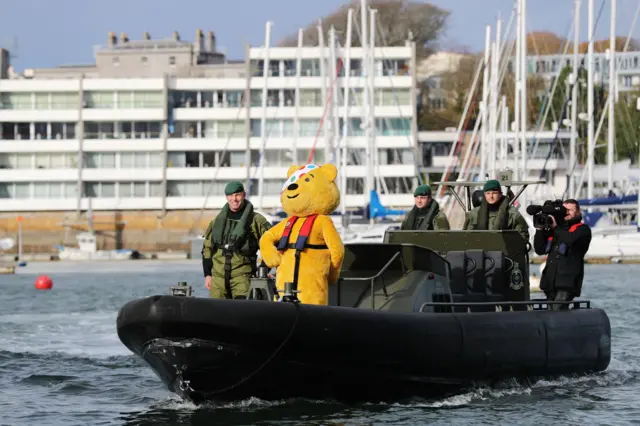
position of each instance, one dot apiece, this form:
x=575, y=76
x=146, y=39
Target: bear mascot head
x=310, y=190
x=308, y=196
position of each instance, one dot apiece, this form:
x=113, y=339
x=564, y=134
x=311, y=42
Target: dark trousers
x=559, y=296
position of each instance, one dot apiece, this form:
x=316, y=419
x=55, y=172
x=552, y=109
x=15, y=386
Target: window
x=107, y=190
x=100, y=189
x=155, y=189
x=144, y=60
x=139, y=189
x=41, y=190
x=172, y=60
x=124, y=189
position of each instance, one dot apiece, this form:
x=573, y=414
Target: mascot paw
x=272, y=261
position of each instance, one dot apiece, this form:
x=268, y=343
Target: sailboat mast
x=516, y=103
x=372, y=102
x=369, y=185
x=345, y=119
x=523, y=109
x=263, y=120
x=590, y=100
x=574, y=97
x=612, y=97
x=485, y=103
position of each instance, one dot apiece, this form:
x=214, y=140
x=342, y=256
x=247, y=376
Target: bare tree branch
x=397, y=19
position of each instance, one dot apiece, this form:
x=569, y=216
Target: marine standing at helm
x=425, y=214
x=495, y=213
x=230, y=246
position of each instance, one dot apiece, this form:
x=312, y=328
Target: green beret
x=422, y=190
x=491, y=185
x=233, y=188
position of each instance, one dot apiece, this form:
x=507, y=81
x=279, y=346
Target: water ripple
x=62, y=363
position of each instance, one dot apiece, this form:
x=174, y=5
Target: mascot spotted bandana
x=297, y=175
x=306, y=247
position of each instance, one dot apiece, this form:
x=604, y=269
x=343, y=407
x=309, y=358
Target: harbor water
x=61, y=362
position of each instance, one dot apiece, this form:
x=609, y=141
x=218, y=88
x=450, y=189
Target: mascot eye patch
x=303, y=172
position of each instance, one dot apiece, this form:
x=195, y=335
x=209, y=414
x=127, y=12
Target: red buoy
x=43, y=282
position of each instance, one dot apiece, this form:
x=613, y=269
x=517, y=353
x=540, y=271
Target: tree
x=600, y=46
x=545, y=43
x=397, y=20
x=627, y=127
x=548, y=43
x=536, y=87
x=563, y=92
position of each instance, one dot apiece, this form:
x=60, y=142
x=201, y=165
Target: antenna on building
x=11, y=45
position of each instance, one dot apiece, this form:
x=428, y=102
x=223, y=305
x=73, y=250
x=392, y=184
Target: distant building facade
x=164, y=124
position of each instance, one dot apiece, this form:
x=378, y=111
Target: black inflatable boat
x=404, y=320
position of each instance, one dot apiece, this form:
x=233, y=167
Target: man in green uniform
x=425, y=214
x=495, y=213
x=230, y=246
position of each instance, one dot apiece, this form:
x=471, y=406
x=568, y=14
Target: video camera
x=542, y=214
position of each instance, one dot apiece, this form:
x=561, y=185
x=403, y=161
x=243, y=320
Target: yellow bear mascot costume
x=313, y=263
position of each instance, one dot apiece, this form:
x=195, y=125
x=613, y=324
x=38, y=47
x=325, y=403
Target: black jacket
x=565, y=247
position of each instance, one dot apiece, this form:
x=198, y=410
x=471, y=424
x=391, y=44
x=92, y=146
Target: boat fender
x=517, y=278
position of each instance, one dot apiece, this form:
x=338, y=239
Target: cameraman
x=565, y=245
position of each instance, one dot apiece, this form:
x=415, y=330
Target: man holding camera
x=565, y=242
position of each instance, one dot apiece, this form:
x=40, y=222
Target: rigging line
x=220, y=158
x=626, y=46
x=383, y=39
x=328, y=100
x=543, y=171
x=229, y=137
x=501, y=74
x=547, y=104
x=260, y=154
x=384, y=42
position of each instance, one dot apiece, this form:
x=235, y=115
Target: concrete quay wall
x=145, y=231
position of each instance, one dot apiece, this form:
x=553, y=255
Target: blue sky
x=56, y=32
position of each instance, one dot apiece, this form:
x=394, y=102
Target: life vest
x=301, y=241
x=572, y=228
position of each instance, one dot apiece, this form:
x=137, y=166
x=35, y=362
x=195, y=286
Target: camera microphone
x=533, y=209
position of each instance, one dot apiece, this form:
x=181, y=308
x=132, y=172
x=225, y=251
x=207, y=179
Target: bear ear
x=330, y=171
x=292, y=170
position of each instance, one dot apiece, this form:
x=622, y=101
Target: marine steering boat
x=423, y=314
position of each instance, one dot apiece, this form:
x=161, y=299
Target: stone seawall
x=145, y=231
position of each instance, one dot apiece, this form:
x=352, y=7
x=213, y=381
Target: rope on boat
x=268, y=360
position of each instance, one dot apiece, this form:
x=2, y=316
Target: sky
x=48, y=33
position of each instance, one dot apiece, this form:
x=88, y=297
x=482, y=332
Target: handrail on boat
x=536, y=304
x=372, y=279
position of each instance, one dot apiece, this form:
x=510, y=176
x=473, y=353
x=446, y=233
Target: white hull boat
x=87, y=250
x=73, y=253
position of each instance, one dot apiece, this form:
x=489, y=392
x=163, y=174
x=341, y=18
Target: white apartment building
x=165, y=124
